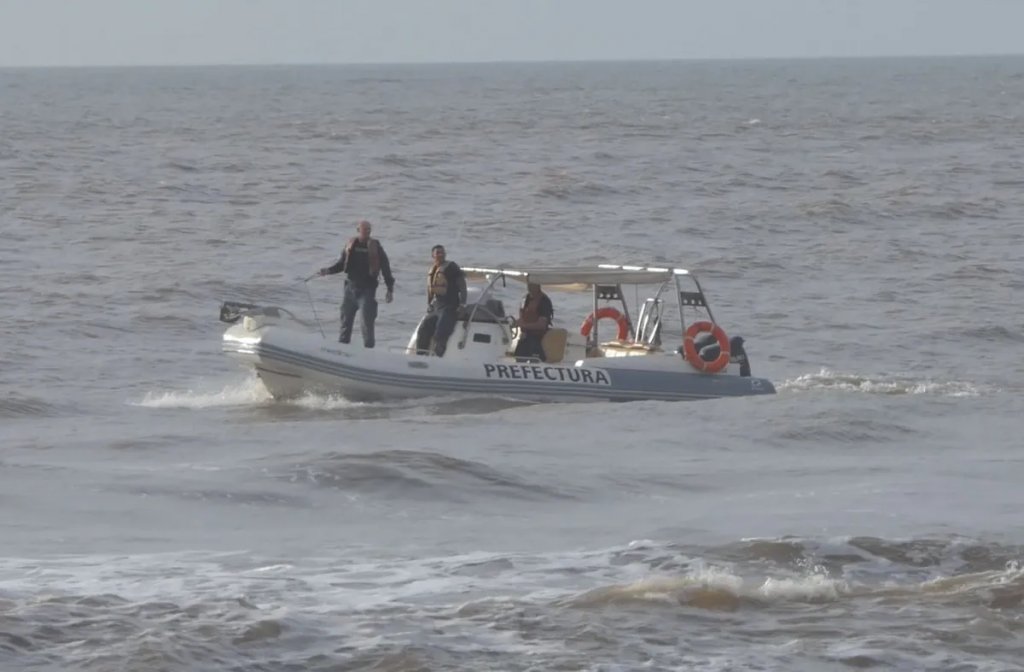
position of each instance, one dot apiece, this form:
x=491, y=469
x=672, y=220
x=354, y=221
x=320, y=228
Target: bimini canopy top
x=569, y=278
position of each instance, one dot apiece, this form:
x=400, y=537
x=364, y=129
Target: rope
x=312, y=304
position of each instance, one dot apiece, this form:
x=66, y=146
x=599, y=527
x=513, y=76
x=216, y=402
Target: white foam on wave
x=719, y=589
x=808, y=588
x=889, y=385
x=467, y=584
x=248, y=392
x=468, y=603
x=326, y=402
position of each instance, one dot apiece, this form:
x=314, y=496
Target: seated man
x=446, y=292
x=535, y=317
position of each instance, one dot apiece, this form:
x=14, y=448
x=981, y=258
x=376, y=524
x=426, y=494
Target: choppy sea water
x=858, y=222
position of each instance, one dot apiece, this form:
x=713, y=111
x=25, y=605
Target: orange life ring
x=607, y=311
x=690, y=350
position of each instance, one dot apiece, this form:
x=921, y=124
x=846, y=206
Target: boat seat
x=553, y=343
x=626, y=349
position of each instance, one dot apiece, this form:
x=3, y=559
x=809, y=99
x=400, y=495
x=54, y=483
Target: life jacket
x=372, y=249
x=437, y=282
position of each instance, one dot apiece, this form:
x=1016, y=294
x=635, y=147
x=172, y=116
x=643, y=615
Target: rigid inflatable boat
x=646, y=358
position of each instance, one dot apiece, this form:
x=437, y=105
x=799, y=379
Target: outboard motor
x=738, y=355
x=233, y=311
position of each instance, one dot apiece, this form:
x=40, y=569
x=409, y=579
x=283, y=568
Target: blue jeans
x=435, y=328
x=364, y=300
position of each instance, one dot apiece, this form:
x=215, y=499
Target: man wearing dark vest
x=446, y=292
x=363, y=260
x=535, y=317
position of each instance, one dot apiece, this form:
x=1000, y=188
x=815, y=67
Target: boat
x=640, y=361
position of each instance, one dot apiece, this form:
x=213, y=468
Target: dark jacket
x=358, y=260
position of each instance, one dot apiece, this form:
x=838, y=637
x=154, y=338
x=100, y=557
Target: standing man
x=363, y=260
x=446, y=291
x=535, y=317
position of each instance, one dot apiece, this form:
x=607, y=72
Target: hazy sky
x=138, y=32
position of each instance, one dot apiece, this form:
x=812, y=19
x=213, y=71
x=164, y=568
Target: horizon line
x=539, y=61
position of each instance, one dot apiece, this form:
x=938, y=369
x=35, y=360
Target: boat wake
x=884, y=385
x=249, y=392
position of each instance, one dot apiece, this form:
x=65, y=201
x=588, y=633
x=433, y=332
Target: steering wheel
x=513, y=328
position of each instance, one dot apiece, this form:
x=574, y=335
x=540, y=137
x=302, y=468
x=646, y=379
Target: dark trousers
x=530, y=346
x=364, y=300
x=435, y=329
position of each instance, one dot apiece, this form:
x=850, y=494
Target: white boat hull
x=292, y=363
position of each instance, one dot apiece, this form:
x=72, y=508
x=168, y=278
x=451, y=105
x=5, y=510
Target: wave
x=845, y=427
x=109, y=630
x=959, y=210
x=182, y=166
x=826, y=379
x=995, y=333
x=832, y=207
x=715, y=589
x=998, y=333
x=221, y=496
x=234, y=611
x=760, y=573
x=18, y=406
x=975, y=271
x=425, y=160
x=866, y=556
x=561, y=185
x=415, y=474
x=844, y=177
